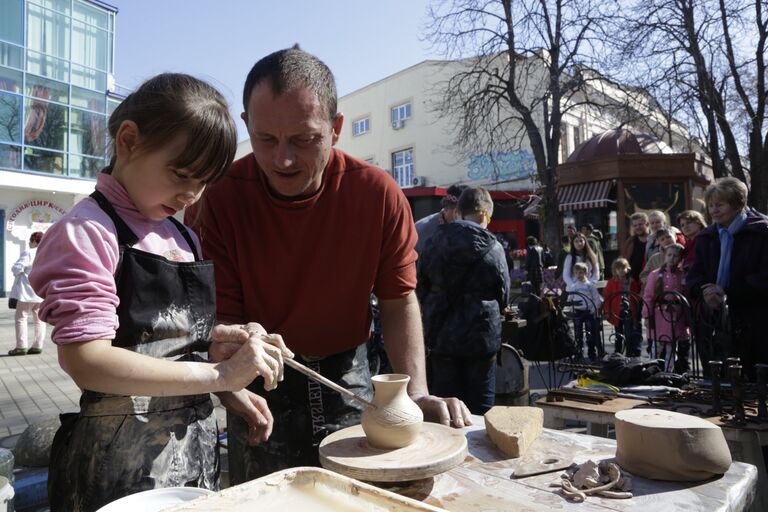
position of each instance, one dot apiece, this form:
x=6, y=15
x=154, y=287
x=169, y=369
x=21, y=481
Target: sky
x=362, y=41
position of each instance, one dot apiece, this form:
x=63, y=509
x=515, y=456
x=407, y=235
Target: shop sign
x=33, y=215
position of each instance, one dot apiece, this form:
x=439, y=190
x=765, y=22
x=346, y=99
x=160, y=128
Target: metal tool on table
x=326, y=382
x=588, y=395
x=762, y=391
x=734, y=374
x=716, y=368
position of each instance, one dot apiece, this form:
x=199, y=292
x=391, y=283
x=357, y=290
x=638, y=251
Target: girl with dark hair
x=580, y=252
x=27, y=302
x=132, y=306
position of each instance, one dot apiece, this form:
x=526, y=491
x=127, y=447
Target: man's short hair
x=663, y=232
x=589, y=227
x=639, y=215
x=729, y=190
x=531, y=240
x=474, y=200
x=289, y=69
x=451, y=199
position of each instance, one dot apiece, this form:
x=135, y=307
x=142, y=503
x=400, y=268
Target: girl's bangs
x=210, y=148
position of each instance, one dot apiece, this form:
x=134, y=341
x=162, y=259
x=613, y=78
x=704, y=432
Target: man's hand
x=713, y=295
x=247, y=352
x=446, y=411
x=227, y=339
x=254, y=410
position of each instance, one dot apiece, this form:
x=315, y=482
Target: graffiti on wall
x=501, y=165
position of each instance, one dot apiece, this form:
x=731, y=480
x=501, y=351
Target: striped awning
x=584, y=195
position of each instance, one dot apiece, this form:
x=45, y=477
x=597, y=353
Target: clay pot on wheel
x=396, y=420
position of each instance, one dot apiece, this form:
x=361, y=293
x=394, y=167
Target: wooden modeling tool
x=326, y=382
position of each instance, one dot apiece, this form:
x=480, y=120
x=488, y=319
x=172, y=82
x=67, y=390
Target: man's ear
x=337, y=124
x=127, y=139
x=244, y=117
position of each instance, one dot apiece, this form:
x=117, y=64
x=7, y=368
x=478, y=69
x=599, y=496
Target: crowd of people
x=671, y=285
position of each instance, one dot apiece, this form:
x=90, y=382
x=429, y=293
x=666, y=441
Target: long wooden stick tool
x=322, y=380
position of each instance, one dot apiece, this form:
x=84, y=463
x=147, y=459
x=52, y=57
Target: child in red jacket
x=622, y=289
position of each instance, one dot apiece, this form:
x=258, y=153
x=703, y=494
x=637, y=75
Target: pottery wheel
x=437, y=449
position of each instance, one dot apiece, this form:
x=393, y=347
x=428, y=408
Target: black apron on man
x=304, y=413
x=119, y=445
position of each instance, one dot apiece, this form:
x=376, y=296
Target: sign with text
x=33, y=215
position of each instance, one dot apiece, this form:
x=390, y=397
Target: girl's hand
x=266, y=353
x=254, y=358
x=254, y=410
x=227, y=339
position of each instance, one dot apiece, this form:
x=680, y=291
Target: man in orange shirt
x=301, y=234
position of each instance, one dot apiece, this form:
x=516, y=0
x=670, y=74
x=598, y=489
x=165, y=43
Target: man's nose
x=284, y=156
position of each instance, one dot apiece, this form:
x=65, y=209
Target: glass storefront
x=55, y=60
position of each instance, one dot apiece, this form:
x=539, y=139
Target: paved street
x=32, y=387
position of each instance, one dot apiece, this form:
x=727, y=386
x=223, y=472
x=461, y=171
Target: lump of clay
x=666, y=445
x=513, y=429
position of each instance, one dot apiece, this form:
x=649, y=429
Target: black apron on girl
x=119, y=445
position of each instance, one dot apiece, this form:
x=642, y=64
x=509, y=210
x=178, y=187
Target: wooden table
x=745, y=444
x=482, y=482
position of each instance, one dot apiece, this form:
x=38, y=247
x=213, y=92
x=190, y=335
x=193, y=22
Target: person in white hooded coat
x=28, y=303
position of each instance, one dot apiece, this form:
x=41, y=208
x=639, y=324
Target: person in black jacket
x=463, y=286
x=534, y=264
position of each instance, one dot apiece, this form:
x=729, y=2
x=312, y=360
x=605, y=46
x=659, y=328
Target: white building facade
x=394, y=123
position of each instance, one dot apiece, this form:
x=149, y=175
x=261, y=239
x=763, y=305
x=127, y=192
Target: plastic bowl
x=155, y=500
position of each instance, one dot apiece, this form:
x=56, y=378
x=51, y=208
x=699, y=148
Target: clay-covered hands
x=713, y=295
x=247, y=352
x=254, y=410
x=446, y=411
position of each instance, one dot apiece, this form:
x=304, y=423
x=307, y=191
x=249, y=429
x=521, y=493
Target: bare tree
x=713, y=51
x=520, y=69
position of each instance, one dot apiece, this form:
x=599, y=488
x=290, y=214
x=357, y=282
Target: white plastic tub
x=155, y=500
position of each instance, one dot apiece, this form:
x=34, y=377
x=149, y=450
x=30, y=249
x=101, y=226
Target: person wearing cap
x=426, y=227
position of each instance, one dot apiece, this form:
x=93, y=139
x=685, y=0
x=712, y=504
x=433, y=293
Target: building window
x=55, y=64
x=402, y=167
x=399, y=114
x=360, y=126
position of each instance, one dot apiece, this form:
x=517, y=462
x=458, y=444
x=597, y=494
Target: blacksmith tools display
x=734, y=374
x=762, y=391
x=716, y=368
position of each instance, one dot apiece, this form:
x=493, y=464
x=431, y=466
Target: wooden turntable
x=437, y=449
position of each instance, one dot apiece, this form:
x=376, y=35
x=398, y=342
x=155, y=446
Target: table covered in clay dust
x=482, y=483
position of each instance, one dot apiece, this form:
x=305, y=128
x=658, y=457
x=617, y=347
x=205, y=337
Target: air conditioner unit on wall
x=397, y=124
x=419, y=181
